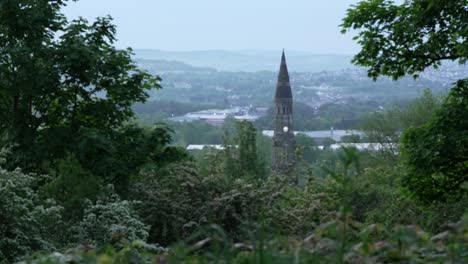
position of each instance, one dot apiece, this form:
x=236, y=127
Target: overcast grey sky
x=303, y=25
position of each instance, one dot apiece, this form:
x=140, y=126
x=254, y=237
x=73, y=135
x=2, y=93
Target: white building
x=217, y=116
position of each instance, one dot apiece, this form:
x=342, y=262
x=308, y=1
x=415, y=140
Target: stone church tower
x=284, y=142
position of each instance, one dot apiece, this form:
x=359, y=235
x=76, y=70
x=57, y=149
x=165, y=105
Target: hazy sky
x=303, y=25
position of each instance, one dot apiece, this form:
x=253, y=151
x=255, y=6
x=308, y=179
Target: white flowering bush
x=178, y=201
x=110, y=221
x=26, y=222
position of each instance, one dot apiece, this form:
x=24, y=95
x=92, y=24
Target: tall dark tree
x=230, y=164
x=247, y=140
x=59, y=79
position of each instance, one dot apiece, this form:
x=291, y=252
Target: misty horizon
x=292, y=52
x=310, y=27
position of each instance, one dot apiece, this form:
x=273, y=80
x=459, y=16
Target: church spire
x=283, y=88
x=284, y=142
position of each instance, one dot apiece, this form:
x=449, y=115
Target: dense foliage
x=110, y=221
x=211, y=218
x=436, y=153
x=27, y=223
x=406, y=39
x=325, y=245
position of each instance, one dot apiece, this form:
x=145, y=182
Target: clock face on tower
x=285, y=129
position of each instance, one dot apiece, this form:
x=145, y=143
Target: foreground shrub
x=136, y=252
x=337, y=239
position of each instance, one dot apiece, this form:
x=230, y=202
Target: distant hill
x=251, y=61
x=158, y=66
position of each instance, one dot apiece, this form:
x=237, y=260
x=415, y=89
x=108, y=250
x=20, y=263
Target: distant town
x=203, y=85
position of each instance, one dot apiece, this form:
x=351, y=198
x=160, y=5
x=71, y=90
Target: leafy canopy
x=58, y=77
x=405, y=39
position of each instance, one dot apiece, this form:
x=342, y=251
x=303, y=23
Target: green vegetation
x=406, y=39
x=27, y=222
x=397, y=40
x=79, y=178
x=436, y=154
x=61, y=82
x=410, y=244
x=386, y=127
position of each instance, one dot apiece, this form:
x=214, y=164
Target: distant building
x=362, y=146
x=284, y=142
x=201, y=147
x=218, y=116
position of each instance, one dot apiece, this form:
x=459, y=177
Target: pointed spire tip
x=283, y=58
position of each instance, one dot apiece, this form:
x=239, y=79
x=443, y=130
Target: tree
x=230, y=165
x=60, y=78
x=247, y=140
x=436, y=154
x=116, y=160
x=406, y=39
